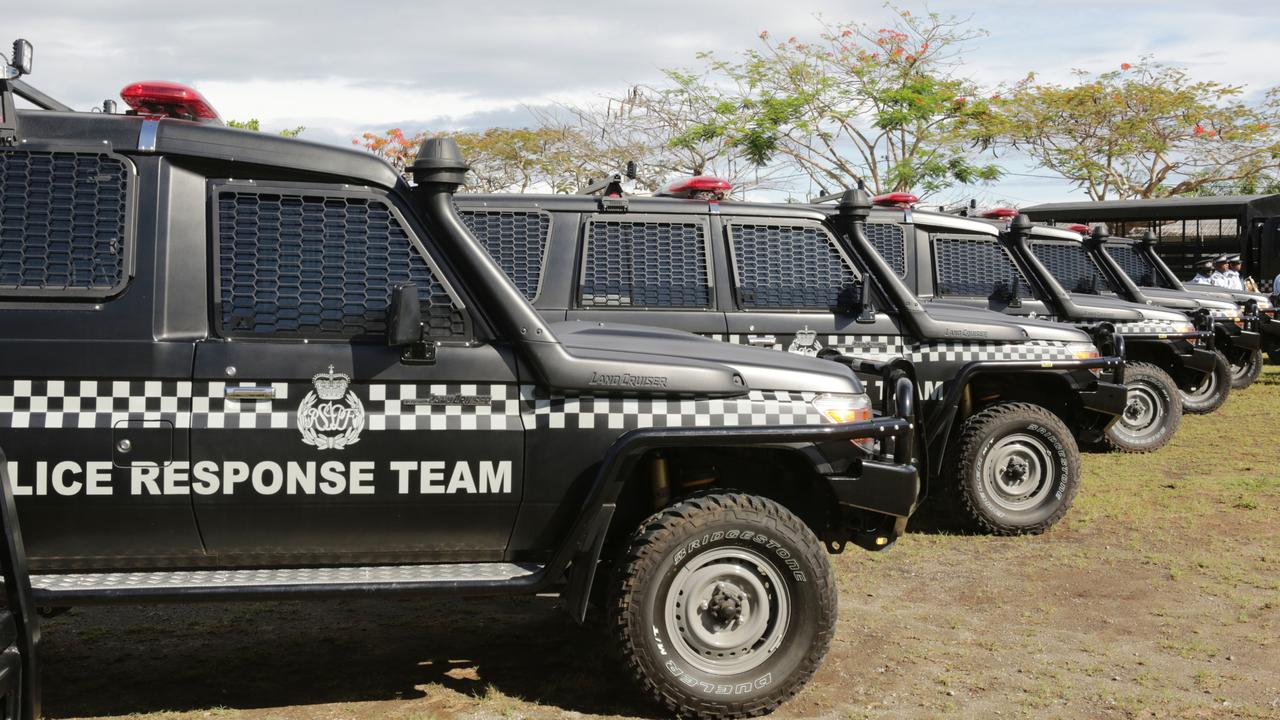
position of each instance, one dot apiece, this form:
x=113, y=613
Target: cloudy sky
x=341, y=68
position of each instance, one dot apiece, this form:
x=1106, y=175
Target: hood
x=1188, y=300
x=761, y=368
x=975, y=324
x=1239, y=297
x=1113, y=309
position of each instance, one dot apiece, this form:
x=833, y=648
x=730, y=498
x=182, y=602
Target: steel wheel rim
x=727, y=611
x=1205, y=389
x=1144, y=407
x=1018, y=472
x=1241, y=371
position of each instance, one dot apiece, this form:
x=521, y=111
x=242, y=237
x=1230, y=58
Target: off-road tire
x=1152, y=414
x=1246, y=372
x=1016, y=431
x=1208, y=398
x=647, y=617
x=1274, y=356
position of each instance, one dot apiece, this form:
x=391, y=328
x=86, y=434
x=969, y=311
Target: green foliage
x=254, y=125
x=1143, y=130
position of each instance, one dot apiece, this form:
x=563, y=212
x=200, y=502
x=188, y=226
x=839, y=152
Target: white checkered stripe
x=92, y=403
x=1149, y=327
x=889, y=347
x=409, y=407
x=554, y=411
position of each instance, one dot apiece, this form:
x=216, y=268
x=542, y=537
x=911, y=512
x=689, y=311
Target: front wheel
x=1152, y=413
x=1016, y=468
x=1211, y=391
x=1247, y=370
x=724, y=607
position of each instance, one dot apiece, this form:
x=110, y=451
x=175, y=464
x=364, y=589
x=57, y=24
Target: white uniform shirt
x=1201, y=279
x=1219, y=279
x=1275, y=285
x=1234, y=281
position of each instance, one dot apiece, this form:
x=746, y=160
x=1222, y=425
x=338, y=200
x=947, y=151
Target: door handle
x=762, y=340
x=250, y=392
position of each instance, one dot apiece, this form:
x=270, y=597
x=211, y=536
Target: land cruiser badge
x=330, y=417
x=805, y=343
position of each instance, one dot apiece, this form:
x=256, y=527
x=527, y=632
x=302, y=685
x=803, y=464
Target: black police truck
x=236, y=365
x=987, y=263
x=1003, y=399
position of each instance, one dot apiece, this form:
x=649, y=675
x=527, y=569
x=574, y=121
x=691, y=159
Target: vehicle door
x=787, y=275
x=974, y=270
x=649, y=269
x=312, y=440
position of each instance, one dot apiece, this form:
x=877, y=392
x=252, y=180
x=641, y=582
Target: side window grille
x=645, y=264
x=315, y=265
x=889, y=240
x=1134, y=265
x=517, y=240
x=63, y=224
x=788, y=266
x=973, y=266
x=1071, y=266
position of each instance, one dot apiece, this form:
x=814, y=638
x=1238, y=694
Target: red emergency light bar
x=700, y=187
x=1000, y=213
x=168, y=99
x=895, y=199
x=1077, y=227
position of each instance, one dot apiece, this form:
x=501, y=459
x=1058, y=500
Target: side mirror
x=21, y=60
x=404, y=316
x=855, y=299
x=1015, y=299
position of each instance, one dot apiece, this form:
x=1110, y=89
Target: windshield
x=1071, y=266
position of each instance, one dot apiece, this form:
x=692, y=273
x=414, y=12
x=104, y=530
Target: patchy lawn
x=1157, y=597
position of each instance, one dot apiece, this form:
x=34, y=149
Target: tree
x=1144, y=130
x=882, y=106
x=254, y=125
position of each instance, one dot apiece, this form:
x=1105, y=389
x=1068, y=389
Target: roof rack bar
x=611, y=185
x=37, y=98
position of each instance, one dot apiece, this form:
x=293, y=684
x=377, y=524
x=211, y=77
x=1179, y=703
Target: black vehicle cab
x=791, y=277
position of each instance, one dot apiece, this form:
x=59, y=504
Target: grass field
x=1157, y=597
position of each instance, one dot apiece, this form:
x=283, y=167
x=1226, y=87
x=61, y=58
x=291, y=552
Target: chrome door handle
x=250, y=392
x=762, y=340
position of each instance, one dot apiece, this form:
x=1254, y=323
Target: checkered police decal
x=202, y=405
x=890, y=347
x=1149, y=327
x=548, y=411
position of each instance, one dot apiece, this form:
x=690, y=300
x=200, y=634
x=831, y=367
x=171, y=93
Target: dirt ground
x=1157, y=597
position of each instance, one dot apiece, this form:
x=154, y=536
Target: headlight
x=1181, y=328
x=848, y=409
x=1264, y=304
x=1083, y=350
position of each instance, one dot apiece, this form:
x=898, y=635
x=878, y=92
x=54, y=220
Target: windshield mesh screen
x=788, y=266
x=318, y=265
x=62, y=223
x=975, y=266
x=645, y=264
x=1138, y=268
x=889, y=241
x=1071, y=266
x=516, y=239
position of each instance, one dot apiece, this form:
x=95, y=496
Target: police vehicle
x=985, y=262
x=1127, y=273
x=1004, y=399
x=237, y=365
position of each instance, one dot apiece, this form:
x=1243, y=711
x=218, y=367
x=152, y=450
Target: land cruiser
x=987, y=263
x=237, y=365
x=1004, y=399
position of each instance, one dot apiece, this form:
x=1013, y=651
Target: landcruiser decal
x=330, y=417
x=805, y=343
x=627, y=380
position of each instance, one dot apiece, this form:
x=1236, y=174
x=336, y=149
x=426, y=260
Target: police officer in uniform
x=1219, y=276
x=1204, y=269
x=1234, y=281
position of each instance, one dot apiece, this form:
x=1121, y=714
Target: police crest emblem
x=805, y=343
x=330, y=417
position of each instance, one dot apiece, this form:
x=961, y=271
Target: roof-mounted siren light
x=895, y=199
x=1000, y=213
x=700, y=187
x=19, y=61
x=1078, y=227
x=169, y=99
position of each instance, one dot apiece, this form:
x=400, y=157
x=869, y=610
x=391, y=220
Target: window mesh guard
x=788, y=266
x=1071, y=266
x=890, y=243
x=1137, y=267
x=975, y=267
x=62, y=223
x=517, y=240
x=319, y=265
x=645, y=264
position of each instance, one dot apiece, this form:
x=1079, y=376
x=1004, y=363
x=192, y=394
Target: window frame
x=735, y=274
x=584, y=245
x=128, y=241
x=218, y=186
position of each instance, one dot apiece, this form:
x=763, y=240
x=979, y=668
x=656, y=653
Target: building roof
x=1220, y=206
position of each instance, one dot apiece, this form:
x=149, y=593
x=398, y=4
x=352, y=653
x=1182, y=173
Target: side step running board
x=447, y=578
